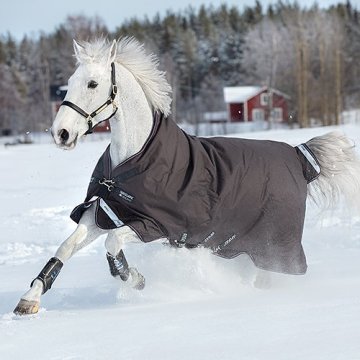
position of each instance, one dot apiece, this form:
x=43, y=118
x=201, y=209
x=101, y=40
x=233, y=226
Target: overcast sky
x=32, y=16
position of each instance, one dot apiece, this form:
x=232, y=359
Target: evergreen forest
x=311, y=54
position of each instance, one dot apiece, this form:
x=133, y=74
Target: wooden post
x=338, y=100
x=302, y=84
x=323, y=84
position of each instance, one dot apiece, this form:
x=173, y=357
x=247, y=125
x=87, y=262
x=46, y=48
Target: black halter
x=110, y=100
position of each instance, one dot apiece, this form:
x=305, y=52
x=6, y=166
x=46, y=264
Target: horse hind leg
x=118, y=265
x=262, y=279
x=252, y=275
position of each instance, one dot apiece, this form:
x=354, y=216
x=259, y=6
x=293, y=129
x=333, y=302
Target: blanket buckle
x=109, y=183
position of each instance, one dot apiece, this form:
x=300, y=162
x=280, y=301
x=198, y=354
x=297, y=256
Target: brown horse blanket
x=233, y=196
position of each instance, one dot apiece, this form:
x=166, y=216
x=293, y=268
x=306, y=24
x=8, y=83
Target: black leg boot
x=49, y=273
x=119, y=267
x=47, y=277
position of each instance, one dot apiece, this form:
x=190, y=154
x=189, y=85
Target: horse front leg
x=85, y=233
x=115, y=256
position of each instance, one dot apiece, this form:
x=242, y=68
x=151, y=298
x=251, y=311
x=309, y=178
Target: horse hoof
x=26, y=307
x=137, y=280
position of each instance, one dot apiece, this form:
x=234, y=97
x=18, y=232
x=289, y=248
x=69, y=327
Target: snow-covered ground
x=194, y=306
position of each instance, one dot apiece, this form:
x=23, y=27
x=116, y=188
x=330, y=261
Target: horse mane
x=132, y=55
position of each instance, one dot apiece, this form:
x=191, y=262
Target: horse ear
x=78, y=50
x=113, y=51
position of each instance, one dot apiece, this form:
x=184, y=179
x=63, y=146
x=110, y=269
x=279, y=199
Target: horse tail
x=339, y=170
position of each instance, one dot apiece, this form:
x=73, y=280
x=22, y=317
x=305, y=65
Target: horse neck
x=130, y=129
x=129, y=134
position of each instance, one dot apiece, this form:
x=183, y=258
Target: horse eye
x=92, y=84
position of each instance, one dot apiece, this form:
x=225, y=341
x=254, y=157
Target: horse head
x=117, y=80
x=88, y=88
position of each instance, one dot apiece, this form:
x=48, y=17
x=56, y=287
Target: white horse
x=137, y=88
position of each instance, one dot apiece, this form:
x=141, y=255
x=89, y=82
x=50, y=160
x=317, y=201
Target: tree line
x=311, y=54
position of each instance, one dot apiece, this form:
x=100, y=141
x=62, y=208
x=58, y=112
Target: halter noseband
x=110, y=100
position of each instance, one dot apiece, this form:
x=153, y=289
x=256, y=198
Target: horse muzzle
x=63, y=139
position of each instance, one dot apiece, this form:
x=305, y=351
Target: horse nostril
x=63, y=135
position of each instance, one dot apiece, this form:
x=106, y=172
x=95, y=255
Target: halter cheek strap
x=109, y=101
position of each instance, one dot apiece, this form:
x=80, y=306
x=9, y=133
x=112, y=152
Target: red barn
x=256, y=103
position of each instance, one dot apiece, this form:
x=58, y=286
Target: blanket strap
x=309, y=162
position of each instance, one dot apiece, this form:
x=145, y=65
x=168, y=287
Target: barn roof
x=240, y=94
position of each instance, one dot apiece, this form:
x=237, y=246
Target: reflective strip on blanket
x=309, y=157
x=110, y=213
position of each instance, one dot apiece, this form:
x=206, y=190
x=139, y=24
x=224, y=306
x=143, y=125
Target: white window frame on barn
x=277, y=114
x=264, y=99
x=258, y=115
